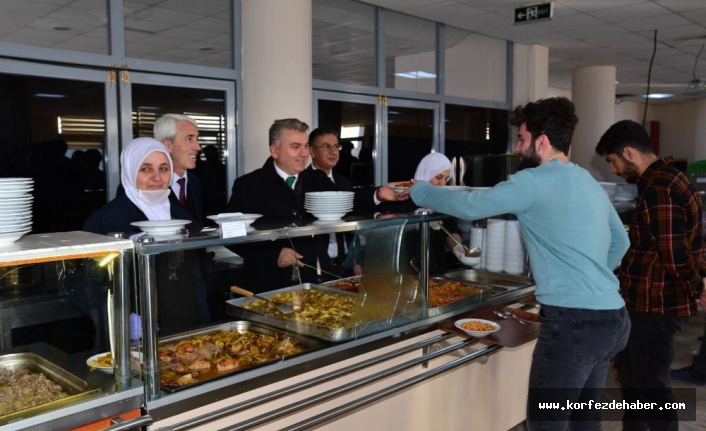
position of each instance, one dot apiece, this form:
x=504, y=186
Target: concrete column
x=277, y=74
x=530, y=75
x=700, y=141
x=593, y=93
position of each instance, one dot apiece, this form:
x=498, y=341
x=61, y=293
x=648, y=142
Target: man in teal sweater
x=574, y=239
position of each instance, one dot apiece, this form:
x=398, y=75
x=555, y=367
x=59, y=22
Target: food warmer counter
x=392, y=320
x=51, y=330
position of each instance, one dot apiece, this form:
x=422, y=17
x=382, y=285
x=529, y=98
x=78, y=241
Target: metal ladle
x=280, y=306
x=470, y=252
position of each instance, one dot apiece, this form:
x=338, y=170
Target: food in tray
x=442, y=292
x=403, y=184
x=347, y=284
x=21, y=389
x=104, y=361
x=204, y=357
x=477, y=326
x=320, y=308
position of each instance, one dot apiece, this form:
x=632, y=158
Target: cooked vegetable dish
x=208, y=356
x=21, y=389
x=444, y=292
x=403, y=184
x=477, y=326
x=320, y=308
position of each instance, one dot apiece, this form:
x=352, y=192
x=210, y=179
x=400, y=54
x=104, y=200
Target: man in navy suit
x=179, y=133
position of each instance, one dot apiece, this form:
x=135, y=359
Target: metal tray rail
x=72, y=385
x=328, y=333
x=506, y=281
x=307, y=343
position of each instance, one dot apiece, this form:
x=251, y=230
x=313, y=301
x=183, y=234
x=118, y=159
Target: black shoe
x=685, y=375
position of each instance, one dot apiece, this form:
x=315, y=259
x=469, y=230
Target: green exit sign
x=539, y=12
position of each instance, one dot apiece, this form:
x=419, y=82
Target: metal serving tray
x=307, y=343
x=507, y=281
x=485, y=293
x=72, y=385
x=329, y=333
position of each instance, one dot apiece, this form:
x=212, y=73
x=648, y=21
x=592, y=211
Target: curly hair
x=554, y=117
x=288, y=123
x=625, y=133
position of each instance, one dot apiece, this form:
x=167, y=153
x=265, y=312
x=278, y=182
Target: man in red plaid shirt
x=661, y=275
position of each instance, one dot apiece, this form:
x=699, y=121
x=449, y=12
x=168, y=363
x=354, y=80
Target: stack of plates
x=15, y=208
x=514, y=248
x=328, y=206
x=478, y=240
x=609, y=188
x=625, y=193
x=495, y=245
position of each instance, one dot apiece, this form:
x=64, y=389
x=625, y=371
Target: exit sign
x=537, y=12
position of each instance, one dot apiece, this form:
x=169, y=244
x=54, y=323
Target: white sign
x=232, y=229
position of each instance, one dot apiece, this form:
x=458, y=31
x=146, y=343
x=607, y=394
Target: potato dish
x=442, y=292
x=320, y=308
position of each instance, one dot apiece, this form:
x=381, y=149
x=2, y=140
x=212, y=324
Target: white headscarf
x=132, y=157
x=432, y=165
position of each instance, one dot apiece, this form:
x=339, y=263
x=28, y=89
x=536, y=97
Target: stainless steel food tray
x=72, y=385
x=485, y=293
x=359, y=329
x=308, y=344
x=507, y=281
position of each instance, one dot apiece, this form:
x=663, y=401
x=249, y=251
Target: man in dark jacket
x=277, y=191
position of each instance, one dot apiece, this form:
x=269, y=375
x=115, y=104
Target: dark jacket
x=264, y=192
x=181, y=292
x=194, y=199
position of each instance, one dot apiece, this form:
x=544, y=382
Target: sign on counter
x=537, y=12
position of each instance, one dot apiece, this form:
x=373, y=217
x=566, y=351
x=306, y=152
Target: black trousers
x=643, y=370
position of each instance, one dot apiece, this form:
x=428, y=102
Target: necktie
x=290, y=181
x=182, y=191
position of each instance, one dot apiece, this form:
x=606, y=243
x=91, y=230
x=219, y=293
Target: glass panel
x=64, y=24
x=472, y=132
x=410, y=53
x=475, y=65
x=410, y=137
x=343, y=41
x=207, y=107
x=55, y=134
x=186, y=32
x=356, y=125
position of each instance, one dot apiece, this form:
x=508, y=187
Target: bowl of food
x=248, y=219
x=477, y=327
x=104, y=361
x=159, y=228
x=400, y=186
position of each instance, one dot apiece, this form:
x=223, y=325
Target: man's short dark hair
x=554, y=117
x=625, y=133
x=287, y=123
x=321, y=131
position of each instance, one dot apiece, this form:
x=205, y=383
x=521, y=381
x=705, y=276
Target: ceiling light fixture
x=418, y=74
x=61, y=28
x=50, y=95
x=205, y=48
x=697, y=86
x=657, y=95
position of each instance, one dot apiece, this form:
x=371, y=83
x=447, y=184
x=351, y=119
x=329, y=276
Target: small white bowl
x=247, y=218
x=495, y=325
x=469, y=261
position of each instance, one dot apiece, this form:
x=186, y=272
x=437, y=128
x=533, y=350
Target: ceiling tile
x=201, y=7
x=654, y=23
x=188, y=33
x=631, y=12
x=602, y=30
x=211, y=24
x=559, y=10
x=166, y=16
x=592, y=5
x=698, y=16
x=446, y=11
x=568, y=23
x=681, y=5
x=612, y=40
x=481, y=22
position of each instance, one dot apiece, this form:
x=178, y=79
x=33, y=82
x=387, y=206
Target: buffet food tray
x=506, y=281
x=329, y=333
x=307, y=344
x=72, y=385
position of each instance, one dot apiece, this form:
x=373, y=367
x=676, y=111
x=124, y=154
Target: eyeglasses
x=328, y=147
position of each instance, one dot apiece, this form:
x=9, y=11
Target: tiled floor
x=687, y=346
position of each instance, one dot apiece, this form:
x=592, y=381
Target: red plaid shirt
x=662, y=271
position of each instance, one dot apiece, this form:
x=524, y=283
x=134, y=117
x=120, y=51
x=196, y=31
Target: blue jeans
x=643, y=369
x=570, y=364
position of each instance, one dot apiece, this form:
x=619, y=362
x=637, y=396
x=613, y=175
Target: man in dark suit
x=179, y=133
x=277, y=191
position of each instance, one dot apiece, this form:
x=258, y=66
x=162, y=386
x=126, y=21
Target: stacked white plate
x=625, y=193
x=328, y=206
x=514, y=248
x=495, y=245
x=15, y=208
x=479, y=240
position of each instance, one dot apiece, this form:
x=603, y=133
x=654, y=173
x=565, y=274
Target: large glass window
x=343, y=42
x=410, y=137
x=69, y=25
x=410, y=53
x=55, y=133
x=190, y=32
x=475, y=66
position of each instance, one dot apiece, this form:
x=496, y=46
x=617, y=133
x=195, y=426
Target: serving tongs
x=280, y=306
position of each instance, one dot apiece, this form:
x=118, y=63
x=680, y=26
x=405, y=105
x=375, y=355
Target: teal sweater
x=573, y=235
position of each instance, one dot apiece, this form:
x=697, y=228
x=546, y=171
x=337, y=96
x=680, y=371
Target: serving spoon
x=470, y=252
x=280, y=306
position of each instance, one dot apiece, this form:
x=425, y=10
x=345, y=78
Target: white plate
x=467, y=188
x=161, y=227
x=329, y=216
x=496, y=327
x=15, y=227
x=331, y=193
x=15, y=181
x=15, y=218
x=9, y=238
x=108, y=370
x=22, y=207
x=247, y=218
x=399, y=189
x=13, y=193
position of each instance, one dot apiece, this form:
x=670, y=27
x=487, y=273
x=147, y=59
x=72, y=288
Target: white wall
x=677, y=129
x=626, y=110
x=558, y=92
x=530, y=75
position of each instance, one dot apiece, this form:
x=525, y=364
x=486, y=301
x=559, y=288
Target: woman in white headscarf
x=145, y=195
